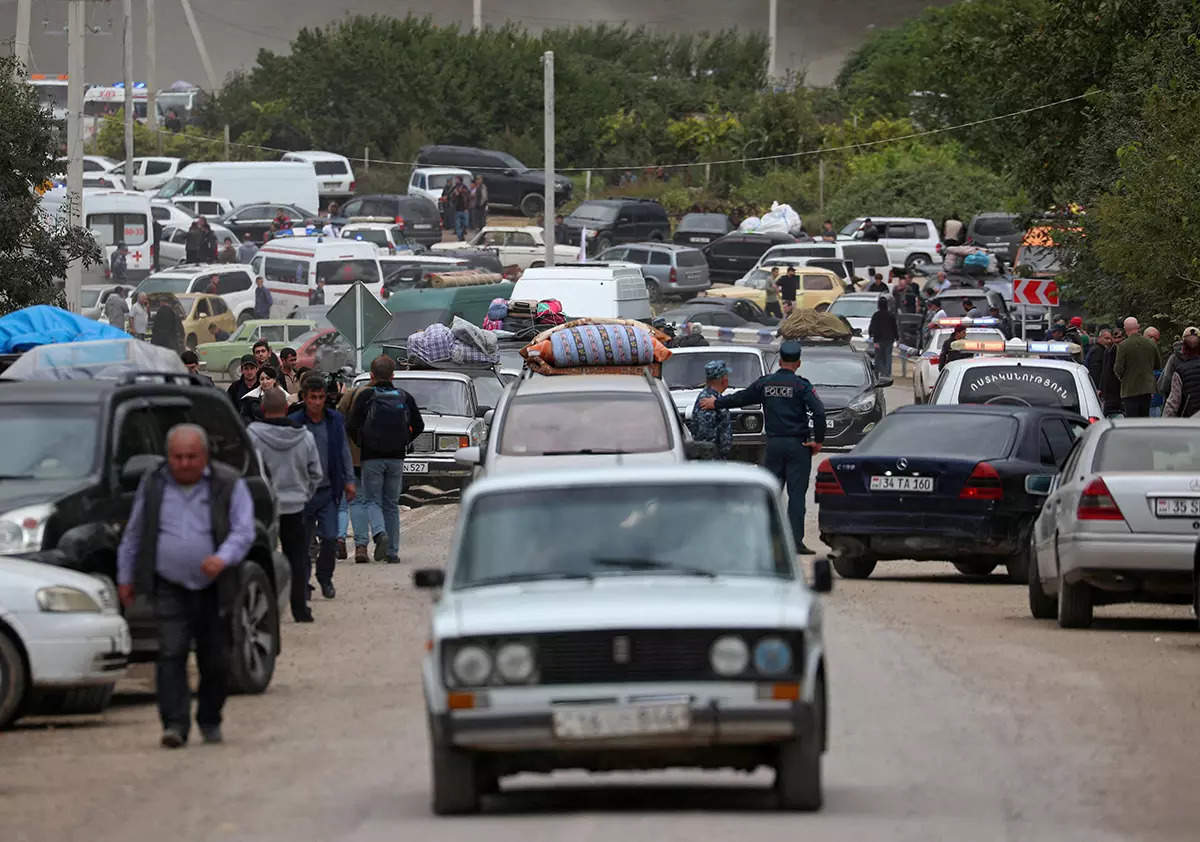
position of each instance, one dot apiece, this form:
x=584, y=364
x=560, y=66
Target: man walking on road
x=190, y=521
x=786, y=398
x=713, y=425
x=460, y=198
x=884, y=332
x=1137, y=359
x=290, y=453
x=139, y=316
x=248, y=382
x=385, y=420
x=786, y=287
x=116, y=310
x=328, y=428
x=262, y=299
x=357, y=513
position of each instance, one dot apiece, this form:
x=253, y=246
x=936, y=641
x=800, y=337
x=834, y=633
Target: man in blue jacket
x=328, y=428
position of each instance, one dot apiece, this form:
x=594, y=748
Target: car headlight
x=452, y=442
x=515, y=662
x=729, y=655
x=63, y=598
x=772, y=656
x=863, y=404
x=471, y=666
x=751, y=423
x=21, y=530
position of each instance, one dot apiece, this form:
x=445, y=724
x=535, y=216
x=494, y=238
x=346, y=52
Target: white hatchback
x=63, y=644
x=1019, y=381
x=669, y=626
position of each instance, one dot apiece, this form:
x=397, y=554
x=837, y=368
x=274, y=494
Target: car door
x=638, y=255
x=625, y=229
x=200, y=319
x=254, y=220
x=522, y=248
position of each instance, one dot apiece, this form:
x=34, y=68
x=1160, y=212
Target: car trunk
x=1156, y=502
x=892, y=482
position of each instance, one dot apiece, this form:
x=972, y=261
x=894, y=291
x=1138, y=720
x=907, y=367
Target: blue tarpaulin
x=45, y=325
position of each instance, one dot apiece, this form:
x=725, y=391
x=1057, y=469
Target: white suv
x=909, y=241
x=335, y=178
x=235, y=284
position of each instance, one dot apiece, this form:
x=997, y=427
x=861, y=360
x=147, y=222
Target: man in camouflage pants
x=713, y=425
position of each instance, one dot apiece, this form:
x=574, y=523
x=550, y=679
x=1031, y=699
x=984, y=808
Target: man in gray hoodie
x=290, y=453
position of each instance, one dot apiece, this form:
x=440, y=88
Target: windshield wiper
x=653, y=564
x=513, y=578
x=587, y=451
x=18, y=476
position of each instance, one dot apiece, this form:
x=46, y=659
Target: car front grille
x=422, y=443
x=592, y=657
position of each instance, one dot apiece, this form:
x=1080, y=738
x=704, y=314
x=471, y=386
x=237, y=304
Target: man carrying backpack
x=384, y=420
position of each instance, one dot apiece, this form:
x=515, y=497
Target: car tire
x=1041, y=605
x=798, y=765
x=234, y=369
x=822, y=307
x=13, y=680
x=654, y=293
x=191, y=342
x=254, y=635
x=1074, y=604
x=532, y=204
x=603, y=243
x=456, y=778
x=975, y=568
x=1018, y=564
x=853, y=566
x=917, y=260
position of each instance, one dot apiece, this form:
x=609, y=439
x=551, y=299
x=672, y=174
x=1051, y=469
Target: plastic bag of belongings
x=524, y=317
x=970, y=260
x=780, y=219
x=598, y=346
x=812, y=324
x=462, y=343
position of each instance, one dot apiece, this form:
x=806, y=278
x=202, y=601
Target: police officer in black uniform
x=786, y=398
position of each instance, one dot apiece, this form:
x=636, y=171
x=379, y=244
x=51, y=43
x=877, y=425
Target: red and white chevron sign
x=1030, y=291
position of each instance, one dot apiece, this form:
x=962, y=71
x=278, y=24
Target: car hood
x=446, y=423
x=838, y=397
x=685, y=399
x=17, y=493
x=500, y=464
x=624, y=602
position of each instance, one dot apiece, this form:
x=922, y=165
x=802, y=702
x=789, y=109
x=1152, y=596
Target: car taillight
x=983, y=484
x=933, y=360
x=938, y=247
x=827, y=481
x=673, y=277
x=353, y=184
x=1092, y=419
x=1096, y=503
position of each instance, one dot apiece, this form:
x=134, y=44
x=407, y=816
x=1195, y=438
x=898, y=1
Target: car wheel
x=603, y=243
x=975, y=568
x=456, y=778
x=1074, y=604
x=654, y=293
x=1041, y=605
x=798, y=766
x=255, y=631
x=853, y=566
x=13, y=680
x=191, y=342
x=1018, y=564
x=822, y=307
x=532, y=204
x=245, y=316
x=234, y=369
x=917, y=260
x=656, y=237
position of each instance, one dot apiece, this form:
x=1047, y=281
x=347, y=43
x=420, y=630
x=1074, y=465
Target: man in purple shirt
x=190, y=521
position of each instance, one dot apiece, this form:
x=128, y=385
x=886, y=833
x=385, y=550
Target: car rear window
x=703, y=222
x=866, y=254
x=329, y=167
x=545, y=425
x=964, y=434
x=690, y=257
x=996, y=226
x=1019, y=385
x=1175, y=450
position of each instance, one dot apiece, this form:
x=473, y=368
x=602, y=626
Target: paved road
x=954, y=716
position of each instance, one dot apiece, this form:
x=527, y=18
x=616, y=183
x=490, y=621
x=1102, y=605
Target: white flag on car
x=583, y=245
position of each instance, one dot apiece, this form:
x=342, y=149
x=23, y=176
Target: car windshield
x=442, y=397
x=935, y=434
x=1041, y=258
x=850, y=227
x=1170, y=449
x=591, y=212
x=755, y=279
x=88, y=297
x=854, y=308
x=831, y=371
x=437, y=182
x=954, y=306
x=342, y=272
x=243, y=333
x=48, y=441
x=153, y=284
x=686, y=371
x=996, y=226
x=555, y=425
x=703, y=222
x=623, y=530
x=489, y=386
x=1019, y=385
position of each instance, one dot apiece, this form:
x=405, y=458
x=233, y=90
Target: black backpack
x=385, y=428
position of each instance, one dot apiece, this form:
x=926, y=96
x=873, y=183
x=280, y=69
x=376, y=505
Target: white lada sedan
x=658, y=619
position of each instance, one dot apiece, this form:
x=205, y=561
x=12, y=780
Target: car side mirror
x=489, y=416
x=1038, y=484
x=136, y=467
x=482, y=411
x=429, y=578
x=884, y=381
x=700, y=450
x=510, y=172
x=822, y=578
x=467, y=456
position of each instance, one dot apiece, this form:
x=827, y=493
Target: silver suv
x=670, y=270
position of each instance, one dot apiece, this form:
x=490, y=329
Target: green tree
x=34, y=248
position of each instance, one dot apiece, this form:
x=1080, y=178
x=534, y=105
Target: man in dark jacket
x=262, y=299
x=248, y=382
x=328, y=427
x=385, y=420
x=1110, y=384
x=208, y=242
x=194, y=243
x=1094, y=360
x=1183, y=398
x=884, y=332
x=948, y=354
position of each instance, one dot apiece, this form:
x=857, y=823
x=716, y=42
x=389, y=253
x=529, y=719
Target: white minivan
x=431, y=181
x=868, y=258
x=247, y=182
x=335, y=178
x=291, y=267
x=588, y=290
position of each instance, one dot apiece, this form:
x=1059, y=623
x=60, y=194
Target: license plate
x=416, y=468
x=922, y=485
x=1177, y=506
x=331, y=184
x=697, y=239
x=605, y=721
x=423, y=227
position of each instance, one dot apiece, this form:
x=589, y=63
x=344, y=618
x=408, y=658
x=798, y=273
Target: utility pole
x=208, y=68
x=75, y=24
x=548, y=209
x=152, y=75
x=127, y=45
x=477, y=16
x=21, y=36
x=772, y=38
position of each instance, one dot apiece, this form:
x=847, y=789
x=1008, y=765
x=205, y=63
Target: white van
x=335, y=178
x=113, y=216
x=868, y=258
x=431, y=181
x=595, y=290
x=291, y=266
x=247, y=182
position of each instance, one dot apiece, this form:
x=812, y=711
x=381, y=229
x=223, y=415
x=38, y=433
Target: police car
x=1019, y=373
x=925, y=372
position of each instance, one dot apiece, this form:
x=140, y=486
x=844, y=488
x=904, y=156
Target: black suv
x=610, y=221
x=509, y=182
x=732, y=256
x=418, y=215
x=74, y=454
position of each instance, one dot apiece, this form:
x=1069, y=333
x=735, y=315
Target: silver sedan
x=1120, y=521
